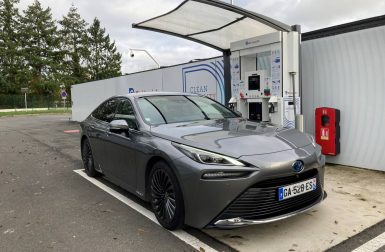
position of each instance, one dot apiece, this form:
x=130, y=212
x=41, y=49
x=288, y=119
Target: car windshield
x=180, y=108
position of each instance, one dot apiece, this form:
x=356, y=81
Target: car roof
x=146, y=94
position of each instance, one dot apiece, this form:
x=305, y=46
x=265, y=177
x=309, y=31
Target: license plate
x=293, y=190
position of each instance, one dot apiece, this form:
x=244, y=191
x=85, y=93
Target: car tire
x=88, y=159
x=166, y=196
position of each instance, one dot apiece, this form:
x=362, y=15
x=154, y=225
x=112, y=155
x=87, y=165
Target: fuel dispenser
x=327, y=130
x=262, y=77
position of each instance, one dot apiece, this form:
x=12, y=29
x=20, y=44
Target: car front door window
x=126, y=112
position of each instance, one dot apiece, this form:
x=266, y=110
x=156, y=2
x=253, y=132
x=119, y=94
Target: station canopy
x=212, y=23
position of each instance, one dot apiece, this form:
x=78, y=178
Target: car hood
x=233, y=137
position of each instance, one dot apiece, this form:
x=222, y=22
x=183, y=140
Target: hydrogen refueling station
x=146, y=162
x=261, y=55
x=271, y=72
x=326, y=82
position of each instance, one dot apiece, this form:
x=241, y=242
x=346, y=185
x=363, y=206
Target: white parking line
x=372, y=245
x=182, y=235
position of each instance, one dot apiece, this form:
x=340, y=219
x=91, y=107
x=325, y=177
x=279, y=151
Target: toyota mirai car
x=199, y=163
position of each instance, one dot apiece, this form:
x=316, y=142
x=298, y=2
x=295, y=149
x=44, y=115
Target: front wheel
x=88, y=159
x=166, y=197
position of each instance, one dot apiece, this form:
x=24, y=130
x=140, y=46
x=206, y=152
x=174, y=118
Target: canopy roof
x=212, y=23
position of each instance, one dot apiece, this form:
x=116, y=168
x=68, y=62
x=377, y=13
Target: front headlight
x=211, y=175
x=206, y=157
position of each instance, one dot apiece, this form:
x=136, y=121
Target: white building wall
x=87, y=96
x=204, y=77
x=347, y=72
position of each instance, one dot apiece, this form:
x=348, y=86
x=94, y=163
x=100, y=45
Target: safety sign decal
x=324, y=133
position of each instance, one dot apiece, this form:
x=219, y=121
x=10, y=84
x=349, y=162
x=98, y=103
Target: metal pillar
x=297, y=28
x=227, y=76
x=25, y=101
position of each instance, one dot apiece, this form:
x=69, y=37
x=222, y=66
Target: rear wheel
x=166, y=196
x=88, y=159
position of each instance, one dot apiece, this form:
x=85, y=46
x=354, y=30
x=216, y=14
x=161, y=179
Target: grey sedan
x=199, y=163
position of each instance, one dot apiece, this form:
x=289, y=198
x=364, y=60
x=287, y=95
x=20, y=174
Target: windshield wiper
x=204, y=114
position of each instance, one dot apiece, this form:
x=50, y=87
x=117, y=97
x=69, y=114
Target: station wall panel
x=347, y=72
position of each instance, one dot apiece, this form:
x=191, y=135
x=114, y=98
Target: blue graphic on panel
x=288, y=117
x=131, y=90
x=215, y=69
x=277, y=60
x=280, y=193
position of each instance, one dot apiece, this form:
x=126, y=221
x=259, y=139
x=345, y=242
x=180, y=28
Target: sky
x=117, y=17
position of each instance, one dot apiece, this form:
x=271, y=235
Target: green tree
x=41, y=48
x=104, y=60
x=9, y=47
x=74, y=44
x=4, y=85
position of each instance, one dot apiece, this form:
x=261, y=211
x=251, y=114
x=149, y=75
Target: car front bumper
x=239, y=222
x=205, y=200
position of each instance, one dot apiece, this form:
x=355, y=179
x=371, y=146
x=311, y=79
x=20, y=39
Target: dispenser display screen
x=255, y=82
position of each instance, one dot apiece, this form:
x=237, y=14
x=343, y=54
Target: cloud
x=316, y=14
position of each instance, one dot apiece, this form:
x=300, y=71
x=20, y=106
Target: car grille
x=283, y=181
x=260, y=201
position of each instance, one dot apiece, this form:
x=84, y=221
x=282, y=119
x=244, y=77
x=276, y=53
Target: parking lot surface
x=45, y=205
x=355, y=202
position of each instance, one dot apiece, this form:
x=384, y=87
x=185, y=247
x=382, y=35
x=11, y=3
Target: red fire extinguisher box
x=327, y=130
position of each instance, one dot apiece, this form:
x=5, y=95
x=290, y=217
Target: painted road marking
x=372, y=245
x=71, y=131
x=182, y=235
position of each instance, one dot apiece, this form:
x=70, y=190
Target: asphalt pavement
x=363, y=238
x=45, y=206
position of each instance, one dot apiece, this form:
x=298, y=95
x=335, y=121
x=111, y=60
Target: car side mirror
x=118, y=126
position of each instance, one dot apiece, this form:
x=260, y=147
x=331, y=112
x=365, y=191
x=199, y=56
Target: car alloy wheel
x=166, y=197
x=88, y=160
x=163, y=195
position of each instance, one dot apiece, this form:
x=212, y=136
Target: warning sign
x=324, y=133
